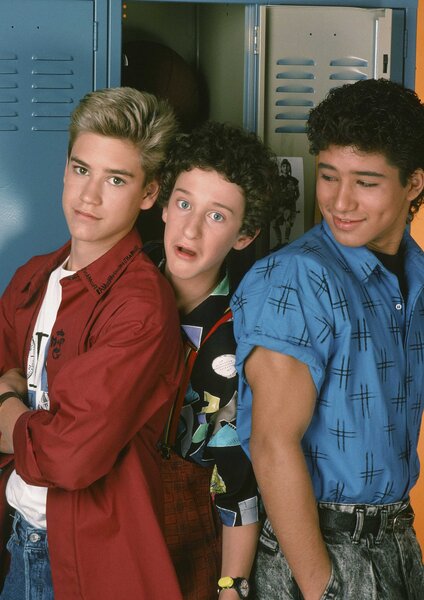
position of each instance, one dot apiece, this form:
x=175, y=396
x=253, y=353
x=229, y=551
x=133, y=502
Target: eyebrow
x=322, y=165
x=215, y=203
x=111, y=171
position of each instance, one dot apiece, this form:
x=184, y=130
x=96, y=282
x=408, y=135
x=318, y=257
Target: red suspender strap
x=225, y=317
x=170, y=432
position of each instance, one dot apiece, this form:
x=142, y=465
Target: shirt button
x=34, y=537
x=398, y=306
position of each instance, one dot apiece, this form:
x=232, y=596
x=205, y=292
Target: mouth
x=345, y=223
x=185, y=252
x=86, y=215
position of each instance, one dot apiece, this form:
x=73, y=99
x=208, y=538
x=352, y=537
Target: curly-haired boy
x=218, y=187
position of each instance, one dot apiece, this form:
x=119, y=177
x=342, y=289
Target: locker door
x=304, y=52
x=46, y=66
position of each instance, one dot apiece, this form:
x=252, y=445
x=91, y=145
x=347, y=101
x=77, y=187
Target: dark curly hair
x=236, y=154
x=373, y=115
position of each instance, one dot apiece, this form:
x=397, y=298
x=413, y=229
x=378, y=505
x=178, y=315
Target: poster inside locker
x=288, y=223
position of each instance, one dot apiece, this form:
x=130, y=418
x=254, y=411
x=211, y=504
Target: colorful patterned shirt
x=339, y=311
x=207, y=426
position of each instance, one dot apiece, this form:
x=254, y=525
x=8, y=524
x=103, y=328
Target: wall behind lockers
x=418, y=233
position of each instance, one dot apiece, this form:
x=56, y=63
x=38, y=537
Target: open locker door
x=304, y=52
x=46, y=65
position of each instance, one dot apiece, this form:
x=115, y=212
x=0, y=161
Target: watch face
x=243, y=588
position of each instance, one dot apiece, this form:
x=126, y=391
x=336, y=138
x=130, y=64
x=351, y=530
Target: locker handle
x=385, y=62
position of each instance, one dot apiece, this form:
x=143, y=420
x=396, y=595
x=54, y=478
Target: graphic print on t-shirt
x=38, y=387
x=37, y=372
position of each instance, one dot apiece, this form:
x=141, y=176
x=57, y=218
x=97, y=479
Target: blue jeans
x=29, y=576
x=383, y=565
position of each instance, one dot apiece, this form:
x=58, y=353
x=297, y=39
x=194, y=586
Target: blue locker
x=53, y=51
x=48, y=61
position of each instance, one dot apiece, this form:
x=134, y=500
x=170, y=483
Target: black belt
x=358, y=523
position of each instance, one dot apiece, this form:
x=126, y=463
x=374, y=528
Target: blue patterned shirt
x=340, y=311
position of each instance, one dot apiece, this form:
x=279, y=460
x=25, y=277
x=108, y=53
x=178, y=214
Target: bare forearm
x=287, y=492
x=238, y=549
x=238, y=553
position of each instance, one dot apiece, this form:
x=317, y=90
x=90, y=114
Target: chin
x=346, y=240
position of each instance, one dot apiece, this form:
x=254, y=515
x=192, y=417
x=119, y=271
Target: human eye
x=79, y=170
x=327, y=177
x=216, y=216
x=367, y=184
x=184, y=204
x=116, y=181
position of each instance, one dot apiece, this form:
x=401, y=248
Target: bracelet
x=7, y=395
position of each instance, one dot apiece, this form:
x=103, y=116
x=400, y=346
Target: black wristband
x=7, y=395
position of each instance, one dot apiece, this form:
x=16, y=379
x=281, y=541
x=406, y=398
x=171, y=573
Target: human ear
x=244, y=240
x=164, y=213
x=416, y=184
x=149, y=195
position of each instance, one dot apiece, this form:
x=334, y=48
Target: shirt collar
x=101, y=274
x=199, y=321
x=414, y=263
x=359, y=260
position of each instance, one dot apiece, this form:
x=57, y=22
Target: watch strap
x=239, y=584
x=7, y=395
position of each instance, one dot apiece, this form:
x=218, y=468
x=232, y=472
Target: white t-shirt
x=30, y=500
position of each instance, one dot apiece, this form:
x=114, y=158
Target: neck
x=390, y=249
x=82, y=255
x=189, y=294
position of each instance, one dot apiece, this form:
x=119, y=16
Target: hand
x=13, y=380
x=10, y=411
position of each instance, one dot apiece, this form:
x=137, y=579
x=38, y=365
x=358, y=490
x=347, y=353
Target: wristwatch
x=240, y=584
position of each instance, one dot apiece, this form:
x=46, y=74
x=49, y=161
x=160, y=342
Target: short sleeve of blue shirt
x=283, y=305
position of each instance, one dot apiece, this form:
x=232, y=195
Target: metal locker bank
x=259, y=65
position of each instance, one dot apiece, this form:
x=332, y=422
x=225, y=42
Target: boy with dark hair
x=218, y=187
x=330, y=334
x=90, y=361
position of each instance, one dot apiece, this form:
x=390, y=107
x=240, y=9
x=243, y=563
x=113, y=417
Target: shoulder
x=143, y=283
x=37, y=268
x=155, y=251
x=297, y=261
x=413, y=249
x=303, y=277
x=45, y=261
x=139, y=308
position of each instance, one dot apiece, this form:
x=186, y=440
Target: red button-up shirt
x=113, y=368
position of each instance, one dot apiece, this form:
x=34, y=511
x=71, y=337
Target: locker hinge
x=95, y=35
x=256, y=33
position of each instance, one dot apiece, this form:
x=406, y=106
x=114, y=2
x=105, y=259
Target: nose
x=90, y=193
x=193, y=227
x=345, y=198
